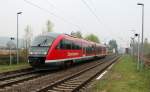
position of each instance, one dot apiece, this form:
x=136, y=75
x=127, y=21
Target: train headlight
x=44, y=53
x=31, y=52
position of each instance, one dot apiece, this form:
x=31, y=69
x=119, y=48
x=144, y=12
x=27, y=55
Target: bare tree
x=49, y=25
x=27, y=38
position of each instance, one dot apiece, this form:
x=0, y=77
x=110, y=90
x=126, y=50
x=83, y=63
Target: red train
x=52, y=49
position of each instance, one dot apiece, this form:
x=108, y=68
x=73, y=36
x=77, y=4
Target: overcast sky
x=116, y=17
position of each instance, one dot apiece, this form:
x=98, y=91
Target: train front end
x=39, y=49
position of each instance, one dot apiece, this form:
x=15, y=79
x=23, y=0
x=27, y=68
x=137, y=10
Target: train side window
x=68, y=44
x=79, y=45
x=76, y=45
x=73, y=45
x=61, y=44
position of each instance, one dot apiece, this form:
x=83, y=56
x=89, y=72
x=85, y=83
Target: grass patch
x=6, y=68
x=124, y=77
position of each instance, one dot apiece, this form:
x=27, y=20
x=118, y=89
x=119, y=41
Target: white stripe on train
x=59, y=60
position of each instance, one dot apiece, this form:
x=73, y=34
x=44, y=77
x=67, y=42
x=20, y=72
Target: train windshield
x=42, y=41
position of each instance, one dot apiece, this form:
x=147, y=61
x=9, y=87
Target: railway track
x=6, y=77
x=18, y=79
x=74, y=82
x=10, y=79
x=14, y=73
x=31, y=82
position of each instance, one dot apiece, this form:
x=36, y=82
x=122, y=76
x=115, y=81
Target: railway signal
x=10, y=45
x=138, y=54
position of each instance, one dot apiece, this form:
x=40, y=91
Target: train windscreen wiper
x=43, y=42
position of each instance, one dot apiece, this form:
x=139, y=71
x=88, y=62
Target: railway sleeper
x=10, y=82
x=62, y=89
x=66, y=86
x=70, y=85
x=53, y=91
x=73, y=83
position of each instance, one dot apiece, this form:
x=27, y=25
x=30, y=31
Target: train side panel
x=62, y=50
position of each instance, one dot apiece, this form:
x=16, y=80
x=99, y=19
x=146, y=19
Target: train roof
x=51, y=34
x=55, y=35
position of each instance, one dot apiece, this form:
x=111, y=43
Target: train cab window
x=42, y=40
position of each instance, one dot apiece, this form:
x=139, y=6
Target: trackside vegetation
x=124, y=77
x=13, y=67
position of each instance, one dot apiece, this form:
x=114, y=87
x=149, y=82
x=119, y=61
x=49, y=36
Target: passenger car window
x=64, y=44
x=69, y=45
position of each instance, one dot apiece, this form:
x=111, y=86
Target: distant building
x=121, y=50
x=127, y=50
